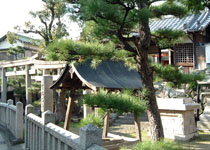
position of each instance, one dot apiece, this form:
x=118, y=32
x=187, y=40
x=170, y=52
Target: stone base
x=182, y=137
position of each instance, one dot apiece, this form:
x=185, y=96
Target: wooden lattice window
x=184, y=53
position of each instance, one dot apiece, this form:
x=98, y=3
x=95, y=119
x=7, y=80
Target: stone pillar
x=46, y=94
x=3, y=85
x=29, y=109
x=19, y=120
x=90, y=135
x=47, y=117
x=28, y=83
x=86, y=110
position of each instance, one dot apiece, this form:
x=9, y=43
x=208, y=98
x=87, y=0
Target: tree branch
x=128, y=47
x=52, y=9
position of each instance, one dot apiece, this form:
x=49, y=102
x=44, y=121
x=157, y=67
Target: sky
x=16, y=12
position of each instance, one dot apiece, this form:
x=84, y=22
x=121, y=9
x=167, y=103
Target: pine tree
x=126, y=21
x=51, y=25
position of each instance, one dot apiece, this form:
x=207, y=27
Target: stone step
x=203, y=125
x=205, y=117
x=124, y=121
x=126, y=117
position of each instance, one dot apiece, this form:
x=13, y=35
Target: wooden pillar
x=3, y=85
x=69, y=111
x=106, y=125
x=159, y=52
x=198, y=101
x=28, y=84
x=194, y=52
x=138, y=127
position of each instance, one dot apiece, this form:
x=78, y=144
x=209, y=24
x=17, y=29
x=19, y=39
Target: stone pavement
x=6, y=145
x=3, y=142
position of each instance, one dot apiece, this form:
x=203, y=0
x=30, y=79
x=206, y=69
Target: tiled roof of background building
x=191, y=23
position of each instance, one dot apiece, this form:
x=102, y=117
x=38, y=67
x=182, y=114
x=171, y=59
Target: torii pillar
x=28, y=83
x=3, y=85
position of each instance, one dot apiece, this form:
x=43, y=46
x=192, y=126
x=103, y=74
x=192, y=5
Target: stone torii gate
x=33, y=70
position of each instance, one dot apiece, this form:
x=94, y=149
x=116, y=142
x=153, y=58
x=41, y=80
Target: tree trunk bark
x=60, y=105
x=144, y=70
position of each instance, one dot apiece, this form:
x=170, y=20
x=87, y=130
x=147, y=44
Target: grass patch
x=160, y=145
x=37, y=103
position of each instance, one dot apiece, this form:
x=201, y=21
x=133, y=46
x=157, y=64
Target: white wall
x=207, y=53
x=6, y=45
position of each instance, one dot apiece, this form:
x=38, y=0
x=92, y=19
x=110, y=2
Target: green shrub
x=160, y=145
x=92, y=119
x=115, y=102
x=37, y=103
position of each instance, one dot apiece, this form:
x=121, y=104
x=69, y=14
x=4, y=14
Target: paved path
x=3, y=143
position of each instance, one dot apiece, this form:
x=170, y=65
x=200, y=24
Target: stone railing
x=43, y=134
x=11, y=117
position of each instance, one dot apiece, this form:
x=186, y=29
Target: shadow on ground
x=201, y=142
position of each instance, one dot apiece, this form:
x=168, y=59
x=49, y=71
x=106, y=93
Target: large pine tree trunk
x=156, y=128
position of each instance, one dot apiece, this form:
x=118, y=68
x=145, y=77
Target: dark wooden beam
x=69, y=111
x=106, y=125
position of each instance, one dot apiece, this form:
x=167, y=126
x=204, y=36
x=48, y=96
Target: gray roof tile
x=191, y=23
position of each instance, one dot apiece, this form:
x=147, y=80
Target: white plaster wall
x=6, y=45
x=207, y=51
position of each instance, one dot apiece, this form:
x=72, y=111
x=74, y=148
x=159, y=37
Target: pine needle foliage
x=167, y=38
x=35, y=87
x=176, y=78
x=92, y=119
x=18, y=83
x=122, y=103
x=168, y=8
x=78, y=51
x=196, y=5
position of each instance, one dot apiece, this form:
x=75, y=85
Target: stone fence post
x=9, y=102
x=47, y=117
x=19, y=120
x=29, y=109
x=89, y=136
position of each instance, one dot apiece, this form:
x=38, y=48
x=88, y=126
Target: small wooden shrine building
x=109, y=75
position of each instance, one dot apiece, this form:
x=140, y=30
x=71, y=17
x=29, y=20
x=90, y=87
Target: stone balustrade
x=11, y=117
x=43, y=134
x=177, y=115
